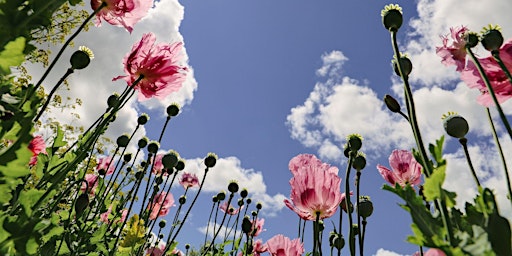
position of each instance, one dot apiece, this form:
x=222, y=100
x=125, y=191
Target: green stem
x=491, y=91
x=500, y=150
x=50, y=95
x=359, y=237
x=417, y=135
x=347, y=204
x=496, y=55
x=464, y=143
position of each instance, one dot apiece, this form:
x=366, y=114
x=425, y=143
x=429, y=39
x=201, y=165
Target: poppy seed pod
x=365, y=207
x=173, y=109
x=233, y=187
x=153, y=147
x=122, y=141
x=406, y=66
x=354, y=142
x=143, y=119
x=359, y=162
x=392, y=17
x=492, y=39
x=180, y=165
x=221, y=195
x=142, y=143
x=244, y=193
x=79, y=60
x=471, y=39
x=246, y=225
x=162, y=224
x=113, y=100
x=455, y=125
x=210, y=160
x=170, y=160
x=81, y=204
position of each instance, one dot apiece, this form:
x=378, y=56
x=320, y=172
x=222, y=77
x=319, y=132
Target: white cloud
x=383, y=252
x=228, y=169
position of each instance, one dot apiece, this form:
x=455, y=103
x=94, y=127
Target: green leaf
x=28, y=198
x=437, y=151
x=12, y=55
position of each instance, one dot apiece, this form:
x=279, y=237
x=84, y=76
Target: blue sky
x=273, y=79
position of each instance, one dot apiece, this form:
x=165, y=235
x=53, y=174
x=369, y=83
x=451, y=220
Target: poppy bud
x=391, y=103
x=406, y=65
x=81, y=204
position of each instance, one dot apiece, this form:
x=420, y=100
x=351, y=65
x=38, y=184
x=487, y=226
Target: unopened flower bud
x=455, y=125
x=143, y=119
x=142, y=142
x=359, y=161
x=405, y=63
x=162, y=223
x=492, y=39
x=210, y=160
x=81, y=204
x=321, y=225
x=233, y=187
x=392, y=18
x=246, y=225
x=173, y=109
x=153, y=147
x=392, y=103
x=336, y=240
x=365, y=207
x=81, y=58
x=122, y=141
x=170, y=159
x=471, y=39
x=343, y=205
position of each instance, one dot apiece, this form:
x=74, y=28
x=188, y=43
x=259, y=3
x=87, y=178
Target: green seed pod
x=182, y=200
x=180, y=165
x=354, y=142
x=162, y=224
x=406, y=66
x=143, y=119
x=244, y=193
x=79, y=60
x=233, y=187
x=471, y=39
x=81, y=204
x=221, y=195
x=170, y=159
x=113, y=100
x=392, y=18
x=455, y=125
x=210, y=160
x=173, y=109
x=122, y=141
x=359, y=162
x=142, y=142
x=153, y=147
x=365, y=208
x=259, y=206
x=492, y=39
x=246, y=225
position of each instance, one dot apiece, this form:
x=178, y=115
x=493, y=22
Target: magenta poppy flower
x=189, y=180
x=497, y=77
x=280, y=245
x=258, y=247
x=156, y=250
x=121, y=12
x=315, y=192
x=308, y=161
x=161, y=204
x=405, y=169
x=455, y=53
x=106, y=164
x=159, y=66
x=92, y=183
x=36, y=146
x=229, y=209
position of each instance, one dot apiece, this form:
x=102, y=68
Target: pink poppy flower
x=104, y=216
x=230, y=210
x=156, y=250
x=257, y=227
x=455, y=53
x=280, y=245
x=121, y=12
x=159, y=66
x=307, y=161
x=92, y=183
x=162, y=201
x=431, y=252
x=158, y=167
x=405, y=169
x=499, y=81
x=314, y=192
x=189, y=180
x=258, y=247
x=106, y=164
x=36, y=146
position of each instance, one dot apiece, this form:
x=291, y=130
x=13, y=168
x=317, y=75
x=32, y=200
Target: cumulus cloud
x=383, y=252
x=230, y=168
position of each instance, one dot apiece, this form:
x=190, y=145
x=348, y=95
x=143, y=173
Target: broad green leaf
x=12, y=55
x=28, y=198
x=432, y=187
x=498, y=232
x=31, y=246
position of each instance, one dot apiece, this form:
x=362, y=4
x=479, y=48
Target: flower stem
x=464, y=143
x=47, y=102
x=347, y=204
x=496, y=55
x=360, y=237
x=50, y=67
x=427, y=167
x=491, y=90
x=500, y=150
